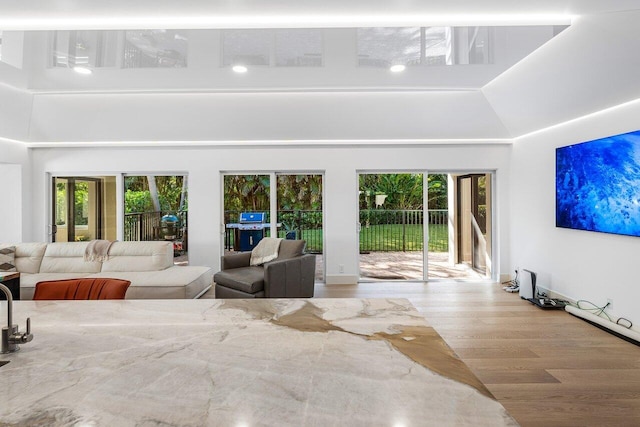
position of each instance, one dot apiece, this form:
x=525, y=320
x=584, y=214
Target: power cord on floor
x=512, y=285
x=513, y=281
x=593, y=308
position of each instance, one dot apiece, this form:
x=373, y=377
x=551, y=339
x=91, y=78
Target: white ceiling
x=588, y=67
x=114, y=14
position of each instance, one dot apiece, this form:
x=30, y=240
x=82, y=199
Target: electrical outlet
x=610, y=302
x=341, y=268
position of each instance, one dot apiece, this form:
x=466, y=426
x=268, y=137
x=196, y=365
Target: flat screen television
x=598, y=185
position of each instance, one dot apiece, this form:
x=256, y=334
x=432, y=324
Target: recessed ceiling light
x=239, y=68
x=82, y=70
x=398, y=68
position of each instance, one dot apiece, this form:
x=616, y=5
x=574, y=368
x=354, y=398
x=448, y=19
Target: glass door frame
x=273, y=202
x=70, y=207
x=425, y=222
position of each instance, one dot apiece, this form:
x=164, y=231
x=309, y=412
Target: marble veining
x=317, y=362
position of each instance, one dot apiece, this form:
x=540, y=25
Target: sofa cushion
x=7, y=258
x=67, y=257
x=291, y=249
x=245, y=279
x=174, y=282
x=29, y=256
x=139, y=256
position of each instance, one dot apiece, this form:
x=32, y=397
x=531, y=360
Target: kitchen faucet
x=10, y=335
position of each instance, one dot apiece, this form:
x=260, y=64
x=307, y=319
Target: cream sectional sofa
x=148, y=265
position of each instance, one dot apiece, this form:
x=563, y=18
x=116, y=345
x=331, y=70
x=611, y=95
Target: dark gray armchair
x=291, y=275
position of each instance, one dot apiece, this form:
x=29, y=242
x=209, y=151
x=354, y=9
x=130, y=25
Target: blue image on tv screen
x=598, y=185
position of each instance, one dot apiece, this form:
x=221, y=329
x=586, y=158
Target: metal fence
x=293, y=224
x=380, y=229
x=143, y=226
x=402, y=230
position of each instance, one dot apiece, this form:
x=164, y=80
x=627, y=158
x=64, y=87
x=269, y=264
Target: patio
x=396, y=266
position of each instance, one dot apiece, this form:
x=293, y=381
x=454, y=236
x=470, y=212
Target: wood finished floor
x=547, y=368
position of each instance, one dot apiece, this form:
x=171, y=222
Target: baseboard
x=505, y=278
x=341, y=279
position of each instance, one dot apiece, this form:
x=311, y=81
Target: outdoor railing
x=143, y=226
x=380, y=229
x=402, y=230
x=294, y=224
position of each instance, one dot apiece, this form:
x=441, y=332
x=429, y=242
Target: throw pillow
x=8, y=259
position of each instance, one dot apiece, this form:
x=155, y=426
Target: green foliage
x=246, y=193
x=437, y=191
x=138, y=197
x=80, y=206
x=300, y=192
x=137, y=201
x=404, y=190
x=81, y=203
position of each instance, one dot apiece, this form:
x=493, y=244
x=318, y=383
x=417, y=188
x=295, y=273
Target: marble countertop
x=316, y=362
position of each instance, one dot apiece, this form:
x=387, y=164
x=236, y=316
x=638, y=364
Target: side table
x=11, y=279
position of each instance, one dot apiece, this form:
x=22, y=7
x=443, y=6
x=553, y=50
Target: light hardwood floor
x=546, y=367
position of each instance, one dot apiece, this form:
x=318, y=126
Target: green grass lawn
x=388, y=237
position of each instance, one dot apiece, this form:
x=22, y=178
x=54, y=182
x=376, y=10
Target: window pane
x=245, y=193
x=437, y=46
x=299, y=48
x=382, y=47
x=155, y=49
x=479, y=45
x=84, y=48
x=246, y=47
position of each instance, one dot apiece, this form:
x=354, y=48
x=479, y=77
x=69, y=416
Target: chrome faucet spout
x=7, y=292
x=11, y=336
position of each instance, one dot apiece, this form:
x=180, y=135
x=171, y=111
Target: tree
x=300, y=192
x=153, y=191
x=246, y=193
x=171, y=193
x=404, y=190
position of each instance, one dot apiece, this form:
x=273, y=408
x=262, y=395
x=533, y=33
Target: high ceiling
x=190, y=14
x=498, y=69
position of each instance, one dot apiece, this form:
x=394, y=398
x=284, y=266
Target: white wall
x=576, y=264
x=15, y=113
x=586, y=68
x=15, y=207
x=262, y=116
x=11, y=203
x=204, y=164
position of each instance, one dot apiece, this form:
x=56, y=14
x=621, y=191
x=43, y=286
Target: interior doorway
x=84, y=208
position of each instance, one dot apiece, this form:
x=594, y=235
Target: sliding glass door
x=425, y=226
x=391, y=226
x=84, y=208
x=290, y=203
